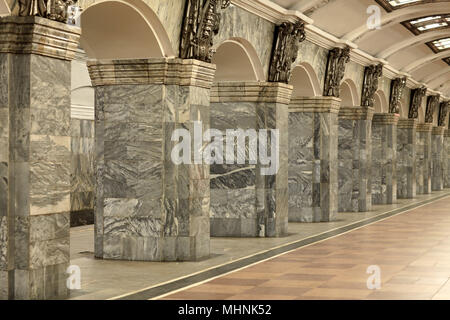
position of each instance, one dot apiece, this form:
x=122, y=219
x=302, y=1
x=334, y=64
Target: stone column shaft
x=406, y=158
x=447, y=159
x=244, y=202
x=437, y=156
x=313, y=165
x=35, y=69
x=355, y=159
x=423, y=158
x=384, y=158
x=147, y=206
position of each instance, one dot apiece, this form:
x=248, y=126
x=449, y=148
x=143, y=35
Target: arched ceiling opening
x=129, y=29
x=349, y=94
x=381, y=104
x=404, y=37
x=237, y=60
x=305, y=81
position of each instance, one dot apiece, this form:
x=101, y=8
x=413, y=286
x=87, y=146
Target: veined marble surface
x=312, y=166
x=406, y=163
x=384, y=163
x=447, y=159
x=82, y=172
x=437, y=162
x=355, y=165
x=316, y=56
x=423, y=160
x=243, y=202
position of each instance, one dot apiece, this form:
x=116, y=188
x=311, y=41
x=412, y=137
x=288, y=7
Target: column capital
x=356, y=113
x=35, y=35
x=424, y=127
x=272, y=92
x=407, y=123
x=438, y=131
x=315, y=104
x=386, y=118
x=169, y=71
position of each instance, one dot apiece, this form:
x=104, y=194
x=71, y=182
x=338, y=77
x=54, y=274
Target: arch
x=349, y=94
x=305, y=81
x=423, y=38
x=425, y=60
x=381, y=104
x=237, y=60
x=83, y=96
x=397, y=16
x=123, y=29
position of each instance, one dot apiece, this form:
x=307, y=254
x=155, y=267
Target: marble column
x=423, y=158
x=149, y=207
x=447, y=159
x=355, y=159
x=384, y=158
x=437, y=158
x=406, y=158
x=244, y=202
x=35, y=69
x=82, y=172
x=313, y=165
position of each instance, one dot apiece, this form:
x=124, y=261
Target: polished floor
x=412, y=251
x=103, y=279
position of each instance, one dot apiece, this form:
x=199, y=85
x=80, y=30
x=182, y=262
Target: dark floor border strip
x=220, y=270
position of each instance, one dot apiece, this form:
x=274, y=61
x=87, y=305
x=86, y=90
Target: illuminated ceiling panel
x=428, y=23
x=391, y=5
x=439, y=45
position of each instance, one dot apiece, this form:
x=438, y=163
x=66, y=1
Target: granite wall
x=244, y=202
x=384, y=158
x=149, y=207
x=437, y=158
x=82, y=172
x=313, y=174
x=355, y=159
x=423, y=158
x=406, y=158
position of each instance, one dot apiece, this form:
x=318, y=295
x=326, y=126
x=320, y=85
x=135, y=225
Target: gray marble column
x=313, y=165
x=82, y=172
x=447, y=159
x=245, y=203
x=406, y=158
x=355, y=159
x=423, y=158
x=384, y=158
x=35, y=69
x=147, y=207
x=437, y=158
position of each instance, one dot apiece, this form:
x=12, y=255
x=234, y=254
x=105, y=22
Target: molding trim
x=82, y=112
x=270, y=11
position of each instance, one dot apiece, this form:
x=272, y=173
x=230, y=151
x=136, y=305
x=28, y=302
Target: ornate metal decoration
x=443, y=111
x=288, y=37
x=51, y=9
x=201, y=23
x=370, y=85
x=416, y=101
x=397, y=87
x=433, y=102
x=337, y=60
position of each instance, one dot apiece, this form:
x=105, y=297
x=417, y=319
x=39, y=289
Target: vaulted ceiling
x=414, y=35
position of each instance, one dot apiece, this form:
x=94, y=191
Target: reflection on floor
x=102, y=279
x=412, y=251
